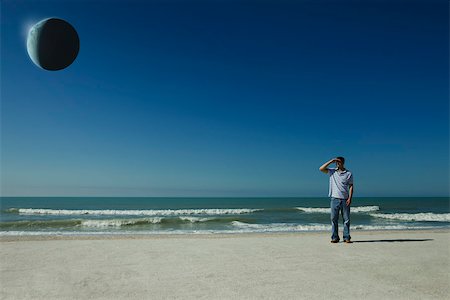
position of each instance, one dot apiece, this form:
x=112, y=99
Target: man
x=341, y=193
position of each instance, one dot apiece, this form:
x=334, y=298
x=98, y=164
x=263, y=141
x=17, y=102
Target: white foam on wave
x=118, y=222
x=195, y=219
x=124, y=222
x=314, y=209
x=278, y=227
x=356, y=209
x=148, y=212
x=430, y=217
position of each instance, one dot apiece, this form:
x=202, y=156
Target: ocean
x=121, y=215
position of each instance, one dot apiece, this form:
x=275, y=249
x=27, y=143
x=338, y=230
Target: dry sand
x=378, y=265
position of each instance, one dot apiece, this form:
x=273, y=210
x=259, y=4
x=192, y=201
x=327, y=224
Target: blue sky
x=228, y=98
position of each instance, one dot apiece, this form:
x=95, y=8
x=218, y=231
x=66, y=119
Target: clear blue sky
x=228, y=98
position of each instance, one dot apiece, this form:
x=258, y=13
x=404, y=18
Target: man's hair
x=341, y=159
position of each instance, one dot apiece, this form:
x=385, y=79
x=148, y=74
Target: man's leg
x=334, y=205
x=346, y=217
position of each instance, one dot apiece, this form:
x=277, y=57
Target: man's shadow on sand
x=394, y=240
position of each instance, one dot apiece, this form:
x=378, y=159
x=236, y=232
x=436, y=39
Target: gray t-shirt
x=340, y=182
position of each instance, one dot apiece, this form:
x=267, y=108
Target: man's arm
x=350, y=195
x=324, y=167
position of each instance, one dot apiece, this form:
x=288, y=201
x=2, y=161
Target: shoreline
x=127, y=236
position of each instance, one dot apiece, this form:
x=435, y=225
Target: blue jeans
x=339, y=205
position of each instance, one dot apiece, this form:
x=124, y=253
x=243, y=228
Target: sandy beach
x=378, y=265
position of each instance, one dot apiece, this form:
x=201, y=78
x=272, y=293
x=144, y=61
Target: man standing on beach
x=340, y=192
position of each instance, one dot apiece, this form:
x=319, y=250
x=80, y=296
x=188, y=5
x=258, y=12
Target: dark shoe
x=335, y=241
x=348, y=241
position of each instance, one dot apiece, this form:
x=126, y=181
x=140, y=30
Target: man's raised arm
x=324, y=167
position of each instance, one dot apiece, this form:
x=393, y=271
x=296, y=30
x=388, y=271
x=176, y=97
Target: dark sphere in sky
x=53, y=44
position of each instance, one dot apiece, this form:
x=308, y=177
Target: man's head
x=340, y=163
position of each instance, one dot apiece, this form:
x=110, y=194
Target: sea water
x=113, y=215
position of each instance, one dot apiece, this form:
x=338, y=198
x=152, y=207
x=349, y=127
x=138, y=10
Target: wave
x=147, y=212
x=144, y=221
x=280, y=227
x=117, y=222
x=356, y=209
x=39, y=224
x=426, y=217
x=177, y=212
x=280, y=209
x=283, y=227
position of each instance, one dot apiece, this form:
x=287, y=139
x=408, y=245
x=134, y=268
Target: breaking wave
x=356, y=209
x=283, y=227
x=147, y=212
x=117, y=222
x=426, y=217
x=144, y=221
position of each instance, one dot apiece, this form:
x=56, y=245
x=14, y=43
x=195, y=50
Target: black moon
x=53, y=44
